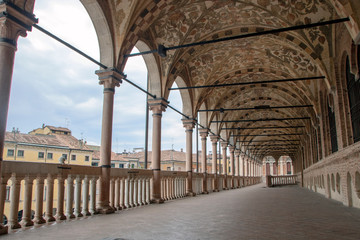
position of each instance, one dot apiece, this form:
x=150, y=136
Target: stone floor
x=253, y=212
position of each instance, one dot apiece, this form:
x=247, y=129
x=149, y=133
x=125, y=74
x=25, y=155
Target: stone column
x=10, y=30
x=214, y=139
x=49, y=199
x=110, y=79
x=3, y=183
x=224, y=161
x=157, y=106
x=237, y=166
x=203, y=134
x=39, y=194
x=232, y=165
x=14, y=203
x=189, y=126
x=26, y=218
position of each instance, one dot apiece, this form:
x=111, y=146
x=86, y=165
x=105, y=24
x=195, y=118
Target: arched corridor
x=257, y=79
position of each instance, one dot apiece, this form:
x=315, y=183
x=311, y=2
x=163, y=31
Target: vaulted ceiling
x=293, y=54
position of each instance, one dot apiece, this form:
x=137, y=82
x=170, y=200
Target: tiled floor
x=253, y=212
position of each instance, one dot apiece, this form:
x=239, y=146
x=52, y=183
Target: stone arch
x=345, y=8
x=349, y=190
x=153, y=69
x=103, y=32
x=185, y=98
x=203, y=116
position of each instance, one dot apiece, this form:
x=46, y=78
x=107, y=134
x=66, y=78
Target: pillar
x=237, y=166
x=189, y=125
x=232, y=165
x=49, y=199
x=214, y=139
x=109, y=79
x=157, y=106
x=26, y=218
x=224, y=162
x=203, y=135
x=39, y=194
x=9, y=33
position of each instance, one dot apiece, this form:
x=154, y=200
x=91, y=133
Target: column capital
x=231, y=148
x=15, y=21
x=157, y=105
x=224, y=144
x=189, y=123
x=110, y=78
x=204, y=132
x=214, y=138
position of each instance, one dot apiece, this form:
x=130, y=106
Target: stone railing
x=58, y=192
x=272, y=181
x=173, y=185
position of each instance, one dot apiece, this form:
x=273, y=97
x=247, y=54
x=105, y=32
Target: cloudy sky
x=56, y=86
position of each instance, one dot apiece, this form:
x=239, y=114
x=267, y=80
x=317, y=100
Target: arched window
x=354, y=98
x=332, y=126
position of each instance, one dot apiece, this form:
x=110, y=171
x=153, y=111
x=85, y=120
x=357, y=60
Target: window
x=65, y=156
x=50, y=156
x=121, y=165
x=332, y=125
x=112, y=165
x=353, y=86
x=10, y=152
x=41, y=155
x=94, y=164
x=87, y=158
x=7, y=195
x=20, y=153
x=73, y=157
x=132, y=165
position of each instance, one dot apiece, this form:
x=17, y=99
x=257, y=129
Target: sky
x=53, y=85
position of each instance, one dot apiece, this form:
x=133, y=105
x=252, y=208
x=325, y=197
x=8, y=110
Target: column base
x=86, y=213
x=216, y=190
x=3, y=230
x=191, y=194
x=14, y=225
x=78, y=215
x=60, y=217
x=157, y=201
x=27, y=223
x=205, y=192
x=50, y=219
x=39, y=220
x=106, y=210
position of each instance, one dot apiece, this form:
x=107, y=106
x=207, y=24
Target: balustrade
x=280, y=180
x=76, y=189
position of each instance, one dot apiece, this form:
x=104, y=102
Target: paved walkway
x=253, y=212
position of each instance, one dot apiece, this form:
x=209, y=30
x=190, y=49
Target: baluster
x=3, y=183
x=126, y=195
x=69, y=197
x=92, y=207
x=112, y=193
x=14, y=202
x=162, y=183
x=171, y=195
x=85, y=197
x=135, y=192
x=131, y=192
x=77, y=210
x=122, y=194
x=49, y=199
x=26, y=218
x=177, y=195
x=140, y=201
x=60, y=201
x=39, y=191
x=167, y=189
x=148, y=190
x=117, y=194
x=143, y=197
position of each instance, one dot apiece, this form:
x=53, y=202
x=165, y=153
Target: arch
x=106, y=44
x=185, y=98
x=349, y=190
x=153, y=69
